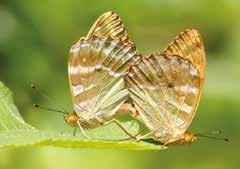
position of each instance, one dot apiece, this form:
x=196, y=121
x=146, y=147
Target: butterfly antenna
x=212, y=132
x=49, y=109
x=215, y=138
x=42, y=94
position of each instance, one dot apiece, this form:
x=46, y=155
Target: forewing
x=96, y=68
x=189, y=45
x=110, y=24
x=165, y=91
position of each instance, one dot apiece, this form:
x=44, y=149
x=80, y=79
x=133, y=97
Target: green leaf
x=15, y=132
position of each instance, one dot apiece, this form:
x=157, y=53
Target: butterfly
x=166, y=88
x=97, y=65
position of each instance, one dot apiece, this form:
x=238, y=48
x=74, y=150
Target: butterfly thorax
x=73, y=119
x=181, y=139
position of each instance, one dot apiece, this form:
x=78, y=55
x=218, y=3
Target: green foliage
x=35, y=38
x=15, y=132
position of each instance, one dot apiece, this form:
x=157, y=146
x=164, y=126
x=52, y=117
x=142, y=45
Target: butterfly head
x=189, y=137
x=75, y=120
x=71, y=118
x=182, y=139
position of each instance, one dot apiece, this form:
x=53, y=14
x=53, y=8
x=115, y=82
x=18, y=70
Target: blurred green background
x=35, y=37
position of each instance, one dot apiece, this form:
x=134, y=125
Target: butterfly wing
x=166, y=87
x=165, y=91
x=110, y=24
x=96, y=68
x=189, y=45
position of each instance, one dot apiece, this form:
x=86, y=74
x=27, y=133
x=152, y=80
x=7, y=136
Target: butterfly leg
x=83, y=131
x=128, y=107
x=172, y=142
x=144, y=136
x=74, y=131
x=120, y=126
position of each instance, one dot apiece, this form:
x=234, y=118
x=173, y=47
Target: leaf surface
x=15, y=132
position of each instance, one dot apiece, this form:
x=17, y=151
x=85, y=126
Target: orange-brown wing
x=165, y=90
x=96, y=68
x=189, y=45
x=110, y=24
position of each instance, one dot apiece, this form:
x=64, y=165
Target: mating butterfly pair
x=105, y=68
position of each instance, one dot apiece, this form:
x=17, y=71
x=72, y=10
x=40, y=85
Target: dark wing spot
x=170, y=85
